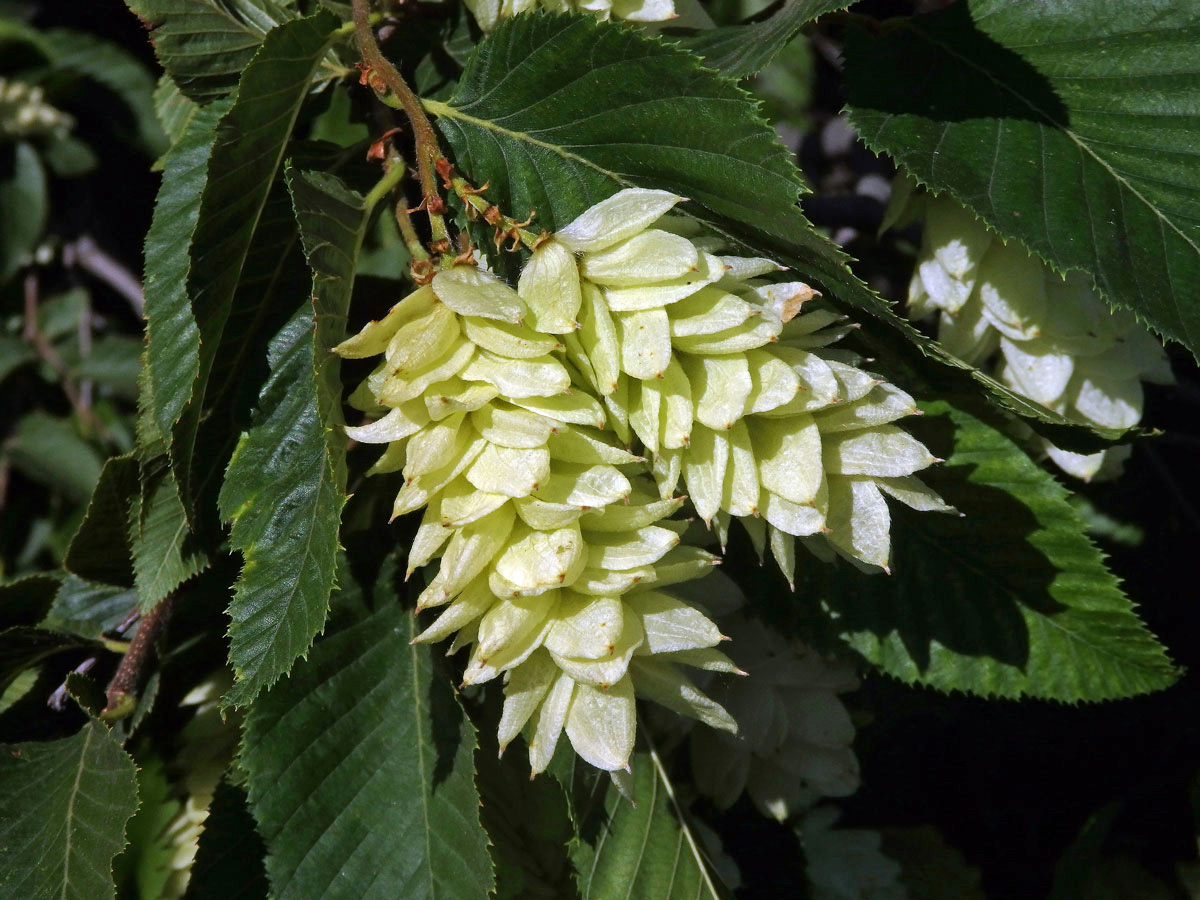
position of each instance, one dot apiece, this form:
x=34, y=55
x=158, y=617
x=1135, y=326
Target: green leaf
x=89, y=610
x=51, y=451
x=360, y=772
x=22, y=648
x=559, y=112
x=229, y=859
x=174, y=111
x=286, y=484
x=171, y=360
x=242, y=168
x=165, y=552
x=206, y=44
x=23, y=206
x=63, y=809
x=643, y=852
x=100, y=549
x=1011, y=599
x=24, y=601
x=740, y=51
x=1064, y=125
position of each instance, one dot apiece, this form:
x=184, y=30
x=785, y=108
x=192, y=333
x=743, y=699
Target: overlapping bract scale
x=554, y=548
x=488, y=13
x=729, y=382
x=1050, y=338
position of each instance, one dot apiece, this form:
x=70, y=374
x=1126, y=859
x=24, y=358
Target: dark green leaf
x=229, y=860
x=23, y=206
x=643, y=852
x=63, y=809
x=100, y=549
x=25, y=601
x=89, y=610
x=360, y=772
x=173, y=342
x=285, y=487
x=1011, y=599
x=174, y=111
x=206, y=44
x=743, y=50
x=242, y=168
x=1070, y=126
x=559, y=112
x=165, y=552
x=22, y=648
x=51, y=451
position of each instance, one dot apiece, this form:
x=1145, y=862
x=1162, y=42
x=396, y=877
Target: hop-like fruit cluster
x=554, y=544
x=545, y=432
x=793, y=744
x=728, y=386
x=24, y=112
x=488, y=13
x=1050, y=338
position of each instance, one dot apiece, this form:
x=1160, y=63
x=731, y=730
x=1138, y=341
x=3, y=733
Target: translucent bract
x=554, y=546
x=731, y=384
x=1050, y=338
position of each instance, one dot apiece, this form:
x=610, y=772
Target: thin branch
x=380, y=74
x=87, y=255
x=120, y=695
x=50, y=356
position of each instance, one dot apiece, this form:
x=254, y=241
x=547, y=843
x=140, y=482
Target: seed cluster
x=545, y=432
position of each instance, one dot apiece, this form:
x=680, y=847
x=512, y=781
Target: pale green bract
x=727, y=385
x=1050, y=338
x=488, y=13
x=554, y=545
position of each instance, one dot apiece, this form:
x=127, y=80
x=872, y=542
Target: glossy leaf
x=285, y=486
x=205, y=44
x=171, y=360
x=1070, y=126
x=1011, y=599
x=242, y=169
x=165, y=552
x=63, y=809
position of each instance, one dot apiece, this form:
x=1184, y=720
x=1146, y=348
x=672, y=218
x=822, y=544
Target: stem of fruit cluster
x=120, y=695
x=506, y=226
x=390, y=79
